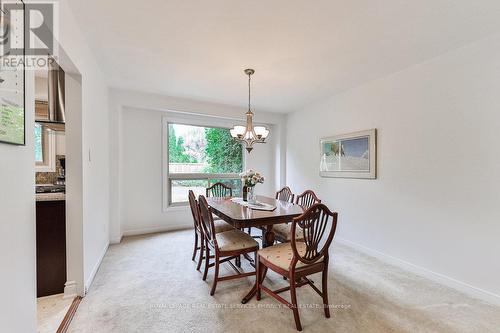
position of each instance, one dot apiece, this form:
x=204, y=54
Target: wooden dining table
x=242, y=217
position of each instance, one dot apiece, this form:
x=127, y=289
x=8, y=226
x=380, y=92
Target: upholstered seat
x=287, y=259
x=235, y=240
x=281, y=255
x=221, y=226
x=283, y=232
x=225, y=245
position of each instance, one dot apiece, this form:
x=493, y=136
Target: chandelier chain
x=249, y=78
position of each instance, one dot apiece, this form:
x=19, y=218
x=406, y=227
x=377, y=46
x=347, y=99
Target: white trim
x=463, y=287
x=177, y=208
x=70, y=290
x=93, y=273
x=49, y=151
x=115, y=240
x=203, y=176
x=195, y=120
x=157, y=229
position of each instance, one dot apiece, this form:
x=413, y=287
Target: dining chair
x=219, y=190
x=285, y=194
x=283, y=231
x=219, y=226
x=300, y=258
x=307, y=199
x=226, y=245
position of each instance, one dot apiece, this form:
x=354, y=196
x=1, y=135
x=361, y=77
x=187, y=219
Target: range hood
x=55, y=116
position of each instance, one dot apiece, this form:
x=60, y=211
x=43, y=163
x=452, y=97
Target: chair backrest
x=207, y=221
x=195, y=211
x=318, y=225
x=307, y=199
x=219, y=190
x=285, y=194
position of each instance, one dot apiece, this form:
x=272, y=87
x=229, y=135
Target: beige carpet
x=150, y=284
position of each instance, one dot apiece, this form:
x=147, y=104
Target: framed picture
x=12, y=76
x=352, y=155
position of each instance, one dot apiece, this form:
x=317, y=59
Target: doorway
x=59, y=211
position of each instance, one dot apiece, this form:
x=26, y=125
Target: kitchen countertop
x=51, y=196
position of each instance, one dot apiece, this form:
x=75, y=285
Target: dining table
x=242, y=216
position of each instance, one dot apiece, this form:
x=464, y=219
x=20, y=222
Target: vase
x=245, y=193
x=251, y=197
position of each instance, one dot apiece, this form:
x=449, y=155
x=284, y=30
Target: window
x=199, y=156
x=44, y=149
x=38, y=144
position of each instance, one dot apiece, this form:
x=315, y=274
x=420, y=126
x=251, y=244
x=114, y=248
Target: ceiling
x=302, y=51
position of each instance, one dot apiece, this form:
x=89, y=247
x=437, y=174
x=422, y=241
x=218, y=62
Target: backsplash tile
x=49, y=177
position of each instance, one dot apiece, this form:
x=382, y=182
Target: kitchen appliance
x=54, y=113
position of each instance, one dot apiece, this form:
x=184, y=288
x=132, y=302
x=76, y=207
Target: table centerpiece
x=249, y=179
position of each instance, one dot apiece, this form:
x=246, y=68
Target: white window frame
x=193, y=120
x=48, y=151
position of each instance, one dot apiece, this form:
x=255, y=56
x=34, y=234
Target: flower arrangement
x=250, y=178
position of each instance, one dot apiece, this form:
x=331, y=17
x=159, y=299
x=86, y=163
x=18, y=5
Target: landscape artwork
x=350, y=155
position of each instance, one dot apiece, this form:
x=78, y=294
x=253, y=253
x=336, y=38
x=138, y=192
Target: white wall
x=95, y=135
x=435, y=203
x=136, y=166
x=17, y=228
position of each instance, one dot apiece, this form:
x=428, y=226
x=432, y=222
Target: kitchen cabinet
x=50, y=247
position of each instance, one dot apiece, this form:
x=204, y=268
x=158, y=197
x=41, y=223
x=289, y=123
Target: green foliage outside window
x=224, y=154
x=176, y=150
x=216, y=148
x=202, y=151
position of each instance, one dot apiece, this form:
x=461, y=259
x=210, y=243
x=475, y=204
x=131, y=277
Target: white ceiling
x=302, y=51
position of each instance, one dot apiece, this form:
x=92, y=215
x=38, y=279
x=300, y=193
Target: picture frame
x=351, y=155
x=13, y=88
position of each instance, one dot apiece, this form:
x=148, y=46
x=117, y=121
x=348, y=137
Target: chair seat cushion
x=221, y=226
x=281, y=255
x=235, y=240
x=283, y=232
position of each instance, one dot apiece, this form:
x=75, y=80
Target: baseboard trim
x=70, y=290
x=153, y=230
x=115, y=240
x=93, y=273
x=63, y=327
x=463, y=287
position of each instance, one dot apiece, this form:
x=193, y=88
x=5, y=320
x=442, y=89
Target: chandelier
x=249, y=134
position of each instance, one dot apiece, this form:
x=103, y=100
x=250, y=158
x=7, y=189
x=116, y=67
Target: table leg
x=267, y=236
x=267, y=240
x=238, y=261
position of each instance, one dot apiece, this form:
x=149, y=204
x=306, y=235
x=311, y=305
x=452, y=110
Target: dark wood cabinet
x=50, y=247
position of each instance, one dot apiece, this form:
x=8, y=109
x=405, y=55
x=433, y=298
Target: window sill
x=176, y=208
